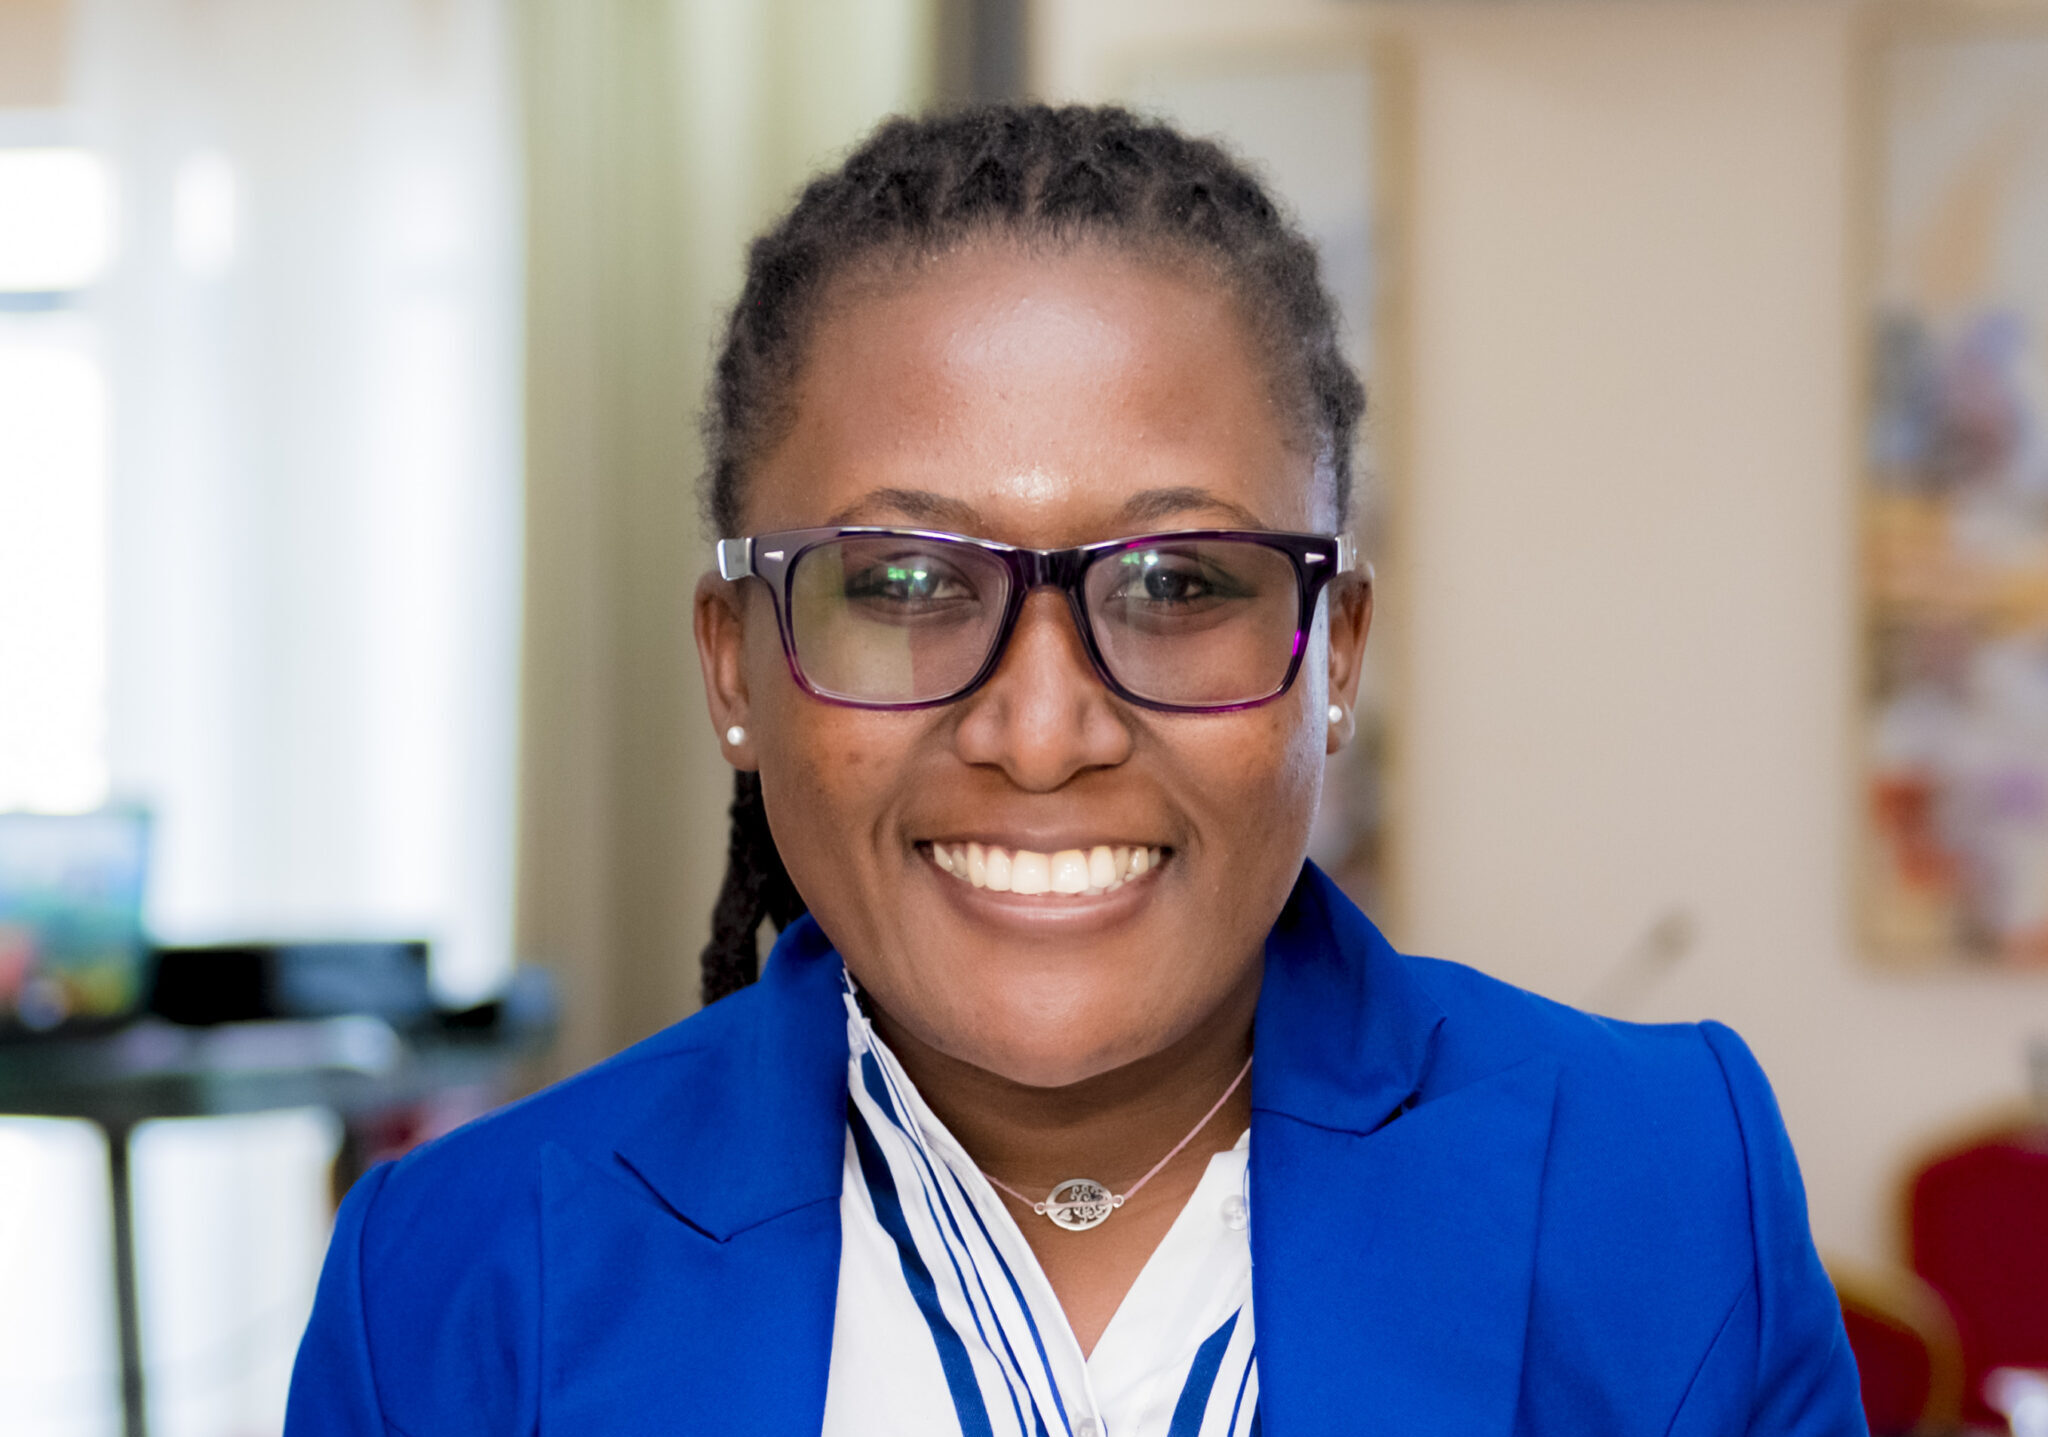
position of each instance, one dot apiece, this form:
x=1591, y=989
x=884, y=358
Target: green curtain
x=660, y=135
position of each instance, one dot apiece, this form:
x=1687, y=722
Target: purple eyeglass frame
x=772, y=558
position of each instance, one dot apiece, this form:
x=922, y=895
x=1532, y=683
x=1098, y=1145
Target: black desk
x=153, y=1069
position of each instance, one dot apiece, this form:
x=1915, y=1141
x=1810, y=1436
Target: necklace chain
x=1089, y=1203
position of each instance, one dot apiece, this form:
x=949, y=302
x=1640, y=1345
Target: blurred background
x=354, y=771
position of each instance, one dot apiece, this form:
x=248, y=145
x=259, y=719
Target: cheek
x=1257, y=776
x=806, y=746
x=834, y=781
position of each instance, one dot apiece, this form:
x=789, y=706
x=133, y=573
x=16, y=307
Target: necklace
x=1081, y=1203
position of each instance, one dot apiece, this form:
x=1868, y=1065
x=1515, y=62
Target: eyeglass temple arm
x=735, y=558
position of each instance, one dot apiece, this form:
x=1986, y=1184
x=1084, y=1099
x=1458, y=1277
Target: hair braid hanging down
x=756, y=887
x=1041, y=175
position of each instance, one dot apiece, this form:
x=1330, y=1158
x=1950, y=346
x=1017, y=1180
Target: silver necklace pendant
x=1081, y=1203
x=1078, y=1204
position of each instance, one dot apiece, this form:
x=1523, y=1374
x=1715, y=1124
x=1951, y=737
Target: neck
x=1111, y=1127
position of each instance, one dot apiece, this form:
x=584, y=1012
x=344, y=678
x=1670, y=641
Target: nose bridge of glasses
x=1060, y=570
x=1033, y=569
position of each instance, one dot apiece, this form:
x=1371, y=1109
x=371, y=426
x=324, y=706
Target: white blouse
x=946, y=1323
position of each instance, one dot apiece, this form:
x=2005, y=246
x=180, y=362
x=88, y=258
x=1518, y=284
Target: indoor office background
x=350, y=356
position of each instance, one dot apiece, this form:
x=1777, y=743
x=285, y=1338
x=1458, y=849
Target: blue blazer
x=1473, y=1211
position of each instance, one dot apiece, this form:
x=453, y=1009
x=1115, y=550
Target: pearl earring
x=1336, y=713
x=735, y=735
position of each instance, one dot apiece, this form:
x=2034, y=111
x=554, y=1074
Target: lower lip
x=1045, y=912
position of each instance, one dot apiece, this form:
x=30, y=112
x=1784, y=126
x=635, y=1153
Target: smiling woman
x=1033, y=625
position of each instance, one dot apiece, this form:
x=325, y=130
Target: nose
x=1044, y=716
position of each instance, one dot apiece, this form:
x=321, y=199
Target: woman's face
x=1043, y=401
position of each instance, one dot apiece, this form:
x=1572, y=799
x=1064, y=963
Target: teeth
x=1029, y=872
x=1070, y=871
x=1102, y=869
x=1075, y=872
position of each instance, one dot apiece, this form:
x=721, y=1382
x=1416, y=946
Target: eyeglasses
x=1192, y=621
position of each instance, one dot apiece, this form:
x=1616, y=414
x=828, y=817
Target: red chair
x=1977, y=1226
x=1907, y=1353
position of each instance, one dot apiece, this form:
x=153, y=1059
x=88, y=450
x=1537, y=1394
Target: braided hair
x=919, y=188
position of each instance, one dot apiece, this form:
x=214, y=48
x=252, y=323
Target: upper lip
x=1034, y=843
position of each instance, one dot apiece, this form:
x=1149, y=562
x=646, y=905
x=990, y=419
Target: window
x=56, y=230
x=260, y=512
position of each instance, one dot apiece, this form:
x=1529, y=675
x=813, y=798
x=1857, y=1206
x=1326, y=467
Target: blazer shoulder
x=446, y=1242
x=1660, y=1130
x=1494, y=1023
x=1648, y=1128
x=587, y=1113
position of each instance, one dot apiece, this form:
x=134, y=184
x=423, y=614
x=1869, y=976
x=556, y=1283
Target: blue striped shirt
x=946, y=1324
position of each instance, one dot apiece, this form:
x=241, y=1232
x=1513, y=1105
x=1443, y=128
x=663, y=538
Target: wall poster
x=1954, y=712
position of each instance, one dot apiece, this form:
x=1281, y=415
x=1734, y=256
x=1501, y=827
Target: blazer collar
x=758, y=1123
x=701, y=1279
x=1394, y=1214
x=1344, y=1032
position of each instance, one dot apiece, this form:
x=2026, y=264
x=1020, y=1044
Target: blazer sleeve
x=1783, y=1343
x=334, y=1389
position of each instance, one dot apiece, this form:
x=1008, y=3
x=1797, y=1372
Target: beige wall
x=1628, y=583
x=32, y=53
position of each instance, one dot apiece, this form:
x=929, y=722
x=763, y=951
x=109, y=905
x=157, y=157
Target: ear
x=1350, y=601
x=719, y=621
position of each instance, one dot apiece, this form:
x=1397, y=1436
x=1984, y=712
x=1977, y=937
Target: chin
x=1041, y=1045
x=1052, y=1005
x=1048, y=1065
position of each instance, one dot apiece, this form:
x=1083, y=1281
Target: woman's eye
x=910, y=580
x=1169, y=579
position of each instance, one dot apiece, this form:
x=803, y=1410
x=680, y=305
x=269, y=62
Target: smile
x=1076, y=872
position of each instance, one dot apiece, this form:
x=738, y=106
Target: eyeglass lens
x=895, y=619
x=885, y=618
x=1206, y=622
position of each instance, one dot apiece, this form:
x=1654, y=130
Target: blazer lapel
x=690, y=1280
x=654, y=1327
x=1393, y=1227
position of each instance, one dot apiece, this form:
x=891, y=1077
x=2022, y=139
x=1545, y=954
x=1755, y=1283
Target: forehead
x=1043, y=398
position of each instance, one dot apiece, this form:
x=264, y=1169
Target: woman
x=1078, y=1104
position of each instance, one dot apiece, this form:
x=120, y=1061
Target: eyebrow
x=938, y=511
x=1150, y=505
x=919, y=506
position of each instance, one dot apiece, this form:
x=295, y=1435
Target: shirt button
x=1088, y=1427
x=1235, y=1213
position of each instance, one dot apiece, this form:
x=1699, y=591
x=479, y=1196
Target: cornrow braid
x=756, y=887
x=918, y=188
